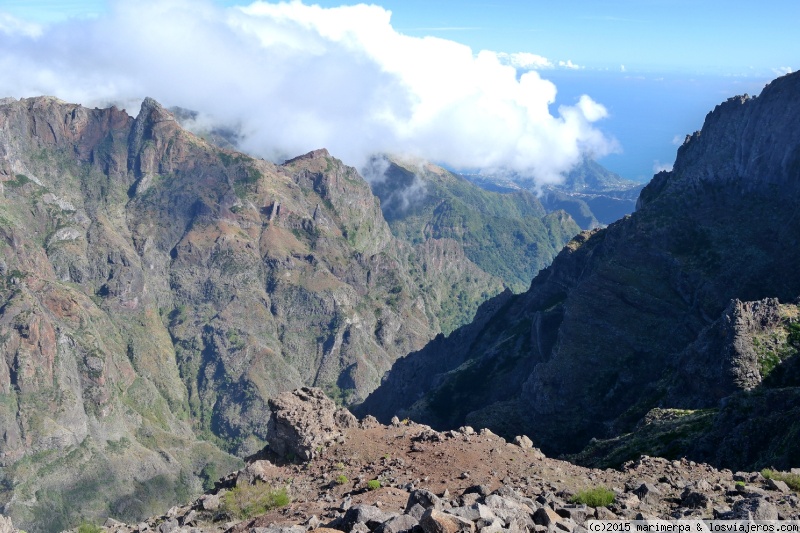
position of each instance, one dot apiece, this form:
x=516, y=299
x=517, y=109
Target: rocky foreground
x=344, y=475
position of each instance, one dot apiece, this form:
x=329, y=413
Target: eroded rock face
x=6, y=526
x=302, y=422
x=724, y=359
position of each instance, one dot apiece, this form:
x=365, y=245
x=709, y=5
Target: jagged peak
x=313, y=154
x=153, y=111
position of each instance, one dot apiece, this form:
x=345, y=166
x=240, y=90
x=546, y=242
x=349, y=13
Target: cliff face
x=606, y=333
x=155, y=289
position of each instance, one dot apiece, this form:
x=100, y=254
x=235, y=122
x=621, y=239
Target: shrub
x=247, y=501
x=373, y=484
x=86, y=527
x=341, y=479
x=209, y=476
x=596, y=497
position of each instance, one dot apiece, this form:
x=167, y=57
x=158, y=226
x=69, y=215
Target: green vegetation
x=209, y=476
x=596, y=497
x=86, y=527
x=508, y=235
x=118, y=446
x=247, y=501
x=373, y=484
x=341, y=479
x=775, y=346
x=793, y=480
x=233, y=338
x=21, y=179
x=793, y=336
x=665, y=433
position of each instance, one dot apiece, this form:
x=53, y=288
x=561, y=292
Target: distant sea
x=650, y=114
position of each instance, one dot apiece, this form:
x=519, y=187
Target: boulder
x=301, y=423
x=261, y=470
x=369, y=422
x=754, y=509
x=523, y=442
x=345, y=419
x=544, y=516
x=780, y=486
x=364, y=514
x=694, y=499
x=648, y=493
x=425, y=498
x=398, y=524
x=434, y=521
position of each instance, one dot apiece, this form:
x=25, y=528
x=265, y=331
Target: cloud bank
x=296, y=77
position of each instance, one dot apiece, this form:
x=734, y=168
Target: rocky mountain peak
x=746, y=142
x=156, y=144
x=312, y=155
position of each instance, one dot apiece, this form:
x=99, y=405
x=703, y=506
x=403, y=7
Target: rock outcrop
x=6, y=526
x=302, y=422
x=661, y=309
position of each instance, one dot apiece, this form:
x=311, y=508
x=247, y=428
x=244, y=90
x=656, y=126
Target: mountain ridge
x=602, y=326
x=509, y=235
x=156, y=290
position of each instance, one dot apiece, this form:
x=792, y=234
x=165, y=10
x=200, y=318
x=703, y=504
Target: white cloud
x=295, y=77
x=660, y=167
x=781, y=71
x=622, y=68
x=525, y=60
x=569, y=65
x=11, y=26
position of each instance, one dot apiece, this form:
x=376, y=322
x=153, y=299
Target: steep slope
x=155, y=288
x=510, y=236
x=602, y=335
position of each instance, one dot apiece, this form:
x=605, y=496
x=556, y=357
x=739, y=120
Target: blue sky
x=730, y=37
x=691, y=36
x=656, y=67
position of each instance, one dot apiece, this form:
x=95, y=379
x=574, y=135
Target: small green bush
x=341, y=479
x=248, y=501
x=373, y=484
x=596, y=497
